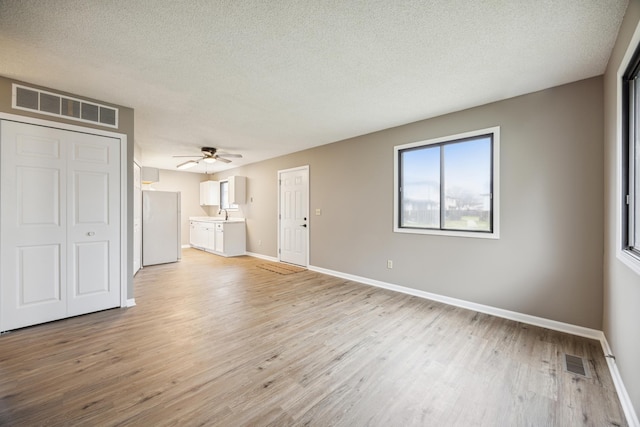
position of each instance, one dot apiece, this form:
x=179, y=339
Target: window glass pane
x=467, y=185
x=634, y=166
x=635, y=209
x=224, y=195
x=420, y=183
x=70, y=108
x=89, y=112
x=49, y=103
x=26, y=98
x=107, y=116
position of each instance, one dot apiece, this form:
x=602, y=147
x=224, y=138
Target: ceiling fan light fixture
x=209, y=160
x=186, y=165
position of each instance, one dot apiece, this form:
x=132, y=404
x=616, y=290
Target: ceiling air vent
x=51, y=104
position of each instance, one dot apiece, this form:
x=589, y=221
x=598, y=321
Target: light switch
x=318, y=211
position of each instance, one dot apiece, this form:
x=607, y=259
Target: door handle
x=303, y=225
x=91, y=233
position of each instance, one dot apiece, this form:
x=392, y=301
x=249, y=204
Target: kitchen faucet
x=226, y=214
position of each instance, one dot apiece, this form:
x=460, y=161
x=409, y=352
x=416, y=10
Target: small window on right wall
x=631, y=159
x=449, y=186
x=224, y=197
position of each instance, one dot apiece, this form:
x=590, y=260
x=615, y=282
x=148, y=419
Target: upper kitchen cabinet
x=237, y=190
x=209, y=193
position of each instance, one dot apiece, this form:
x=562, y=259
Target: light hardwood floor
x=216, y=341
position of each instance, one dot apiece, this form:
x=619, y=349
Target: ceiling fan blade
x=187, y=165
x=232, y=155
x=222, y=159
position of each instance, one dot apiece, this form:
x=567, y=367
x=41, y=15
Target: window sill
x=495, y=235
x=630, y=260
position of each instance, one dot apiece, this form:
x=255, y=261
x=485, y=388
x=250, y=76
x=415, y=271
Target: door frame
x=137, y=208
x=280, y=172
x=124, y=267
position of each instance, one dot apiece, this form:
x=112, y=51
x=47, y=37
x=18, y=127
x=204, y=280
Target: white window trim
x=14, y=105
x=229, y=209
x=626, y=257
x=496, y=186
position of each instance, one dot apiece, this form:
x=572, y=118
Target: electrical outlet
x=389, y=263
x=318, y=211
x=259, y=242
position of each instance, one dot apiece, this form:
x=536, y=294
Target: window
x=631, y=158
x=224, y=197
x=448, y=186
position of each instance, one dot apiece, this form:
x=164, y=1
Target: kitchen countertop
x=214, y=219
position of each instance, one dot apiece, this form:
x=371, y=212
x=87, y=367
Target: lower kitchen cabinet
x=198, y=234
x=218, y=237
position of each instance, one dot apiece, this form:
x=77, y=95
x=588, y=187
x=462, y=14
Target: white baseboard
x=625, y=400
x=131, y=302
x=265, y=257
x=494, y=311
x=185, y=246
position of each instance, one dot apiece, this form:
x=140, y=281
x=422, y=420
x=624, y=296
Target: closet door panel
x=93, y=233
x=59, y=223
x=33, y=225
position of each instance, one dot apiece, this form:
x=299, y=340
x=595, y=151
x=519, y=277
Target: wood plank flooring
x=220, y=342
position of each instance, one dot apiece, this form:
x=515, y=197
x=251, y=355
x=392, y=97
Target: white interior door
x=294, y=215
x=60, y=224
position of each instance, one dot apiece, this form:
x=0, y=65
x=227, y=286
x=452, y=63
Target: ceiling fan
x=209, y=155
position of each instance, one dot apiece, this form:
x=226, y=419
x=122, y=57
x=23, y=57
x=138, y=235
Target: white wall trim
x=131, y=302
x=622, y=255
x=494, y=311
x=625, y=400
x=186, y=246
x=265, y=257
x=495, y=234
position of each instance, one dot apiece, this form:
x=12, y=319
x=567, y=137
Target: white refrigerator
x=160, y=227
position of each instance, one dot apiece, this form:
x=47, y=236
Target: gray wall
x=548, y=261
x=125, y=126
x=621, y=319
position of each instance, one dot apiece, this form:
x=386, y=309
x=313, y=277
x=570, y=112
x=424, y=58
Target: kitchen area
x=223, y=234
x=210, y=215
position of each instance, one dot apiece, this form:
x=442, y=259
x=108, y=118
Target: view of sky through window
x=459, y=170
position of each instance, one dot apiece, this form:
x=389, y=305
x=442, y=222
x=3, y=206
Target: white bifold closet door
x=60, y=224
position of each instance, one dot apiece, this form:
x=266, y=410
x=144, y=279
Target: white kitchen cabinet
x=237, y=190
x=209, y=193
x=198, y=237
x=219, y=238
x=211, y=236
x=226, y=238
x=230, y=238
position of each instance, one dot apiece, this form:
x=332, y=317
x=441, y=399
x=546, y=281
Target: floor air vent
x=575, y=365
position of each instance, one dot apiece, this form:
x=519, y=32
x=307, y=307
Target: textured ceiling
x=265, y=78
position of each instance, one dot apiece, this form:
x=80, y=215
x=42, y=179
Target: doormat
x=281, y=268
